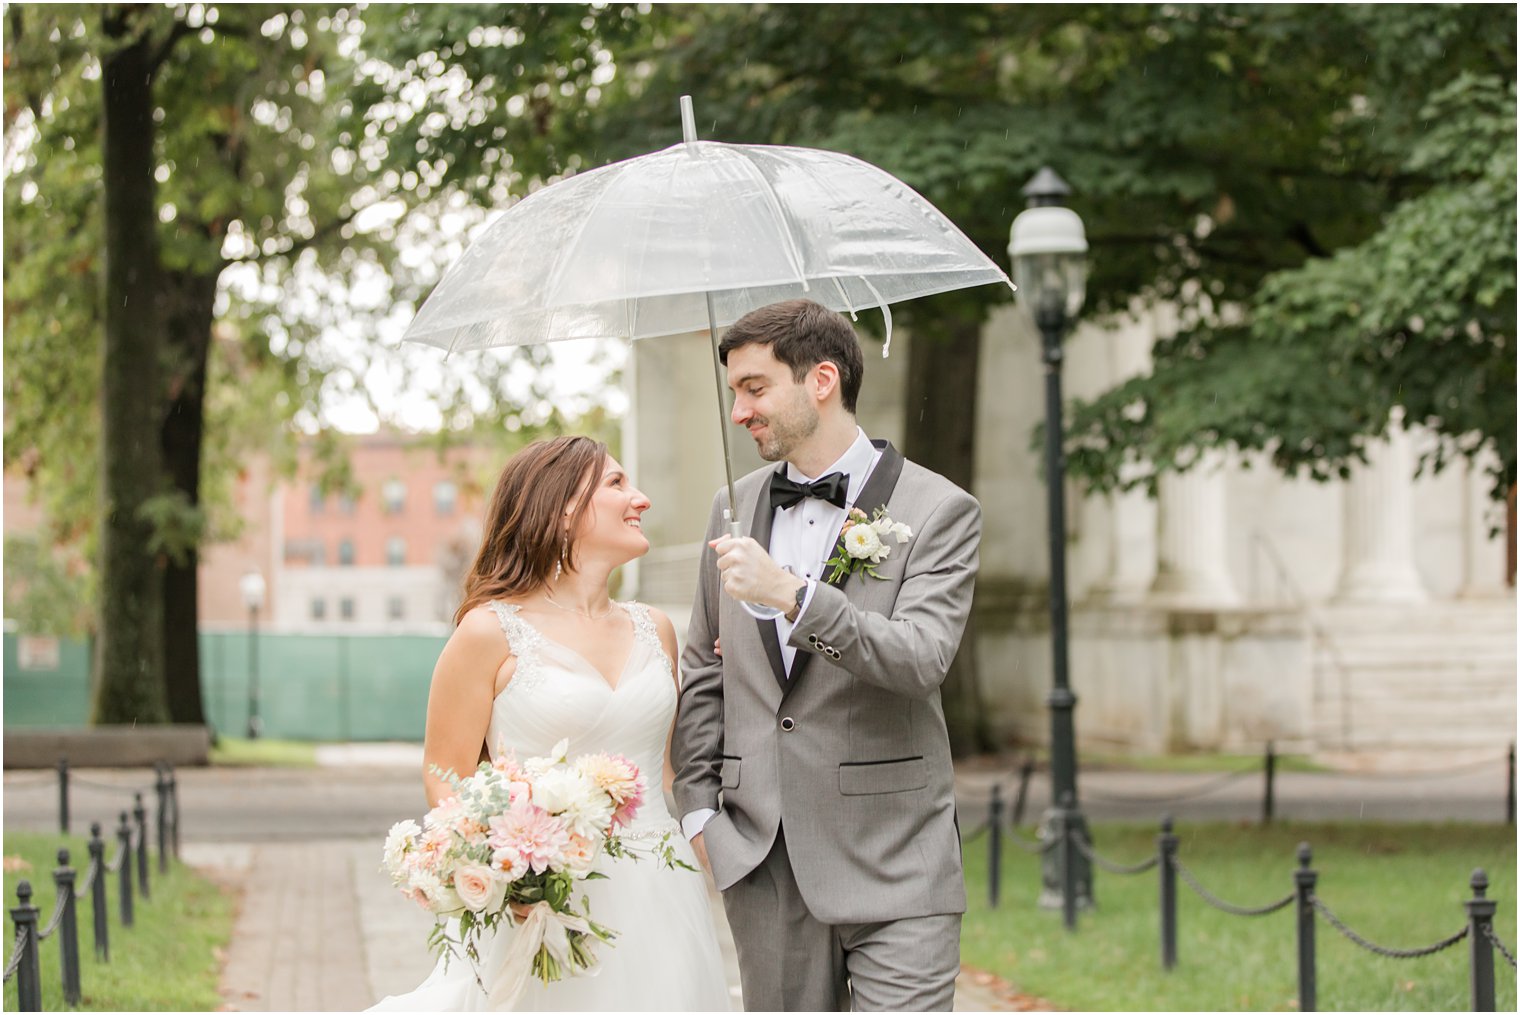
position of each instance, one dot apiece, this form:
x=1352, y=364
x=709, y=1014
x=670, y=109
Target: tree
x=272, y=233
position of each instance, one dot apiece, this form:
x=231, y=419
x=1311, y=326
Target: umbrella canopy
x=634, y=249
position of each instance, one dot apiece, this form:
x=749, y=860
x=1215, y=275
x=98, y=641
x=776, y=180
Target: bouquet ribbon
x=542, y=928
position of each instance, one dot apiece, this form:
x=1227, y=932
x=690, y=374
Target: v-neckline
x=622, y=672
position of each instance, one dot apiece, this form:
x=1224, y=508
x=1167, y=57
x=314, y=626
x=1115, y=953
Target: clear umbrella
x=692, y=238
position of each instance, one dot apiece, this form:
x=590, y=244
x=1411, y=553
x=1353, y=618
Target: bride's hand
x=700, y=848
x=718, y=647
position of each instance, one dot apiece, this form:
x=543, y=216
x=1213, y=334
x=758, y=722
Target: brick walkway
x=323, y=931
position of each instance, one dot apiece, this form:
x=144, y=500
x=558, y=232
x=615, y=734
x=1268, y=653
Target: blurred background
x=231, y=497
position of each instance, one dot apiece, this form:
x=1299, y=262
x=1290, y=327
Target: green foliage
x=46, y=589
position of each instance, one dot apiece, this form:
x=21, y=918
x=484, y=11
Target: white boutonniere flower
x=865, y=543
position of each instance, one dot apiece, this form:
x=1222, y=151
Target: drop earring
x=559, y=565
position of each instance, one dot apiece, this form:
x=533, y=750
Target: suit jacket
x=849, y=753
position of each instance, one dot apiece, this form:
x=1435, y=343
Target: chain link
x=1203, y=789
x=1436, y=773
x=1377, y=949
x=26, y=782
x=1085, y=848
x=82, y=888
x=19, y=950
x=52, y=925
x=1038, y=848
x=1493, y=938
x=1220, y=904
x=115, y=787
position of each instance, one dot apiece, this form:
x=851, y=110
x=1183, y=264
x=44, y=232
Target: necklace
x=571, y=609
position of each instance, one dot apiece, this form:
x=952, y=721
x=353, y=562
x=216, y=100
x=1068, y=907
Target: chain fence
x=17, y=954
x=1498, y=943
x=1383, y=950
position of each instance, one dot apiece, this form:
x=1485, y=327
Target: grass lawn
x=1400, y=886
x=264, y=753
x=168, y=960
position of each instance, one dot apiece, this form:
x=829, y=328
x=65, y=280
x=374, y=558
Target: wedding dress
x=665, y=955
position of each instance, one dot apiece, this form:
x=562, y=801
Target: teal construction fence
x=311, y=687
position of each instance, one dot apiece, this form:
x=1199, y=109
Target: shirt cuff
x=693, y=823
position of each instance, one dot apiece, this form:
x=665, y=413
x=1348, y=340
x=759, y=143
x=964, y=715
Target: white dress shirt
x=802, y=538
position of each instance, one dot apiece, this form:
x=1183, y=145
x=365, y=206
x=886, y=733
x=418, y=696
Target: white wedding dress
x=665, y=955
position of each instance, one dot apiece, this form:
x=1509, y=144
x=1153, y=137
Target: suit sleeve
x=909, y=652
x=697, y=744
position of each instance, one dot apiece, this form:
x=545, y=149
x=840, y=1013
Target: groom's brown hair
x=525, y=536
x=802, y=334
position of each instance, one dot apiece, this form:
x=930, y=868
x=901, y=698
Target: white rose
x=861, y=542
x=479, y=888
x=585, y=808
x=882, y=525
x=397, y=841
x=902, y=532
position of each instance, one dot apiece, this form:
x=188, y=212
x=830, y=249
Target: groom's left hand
x=749, y=574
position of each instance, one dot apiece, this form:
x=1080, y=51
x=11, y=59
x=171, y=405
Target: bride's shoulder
x=480, y=628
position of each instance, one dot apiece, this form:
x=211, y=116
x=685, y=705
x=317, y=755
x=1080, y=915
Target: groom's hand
x=750, y=575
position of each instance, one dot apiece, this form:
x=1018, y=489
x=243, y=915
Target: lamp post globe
x=252, y=587
x=1047, y=246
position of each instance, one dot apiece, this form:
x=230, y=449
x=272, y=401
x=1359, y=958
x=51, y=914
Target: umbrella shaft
x=734, y=528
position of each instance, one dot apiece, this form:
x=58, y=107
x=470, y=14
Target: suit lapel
x=760, y=531
x=875, y=494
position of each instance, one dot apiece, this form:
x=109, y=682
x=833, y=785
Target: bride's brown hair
x=524, y=537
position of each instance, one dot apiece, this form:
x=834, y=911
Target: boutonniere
x=864, y=543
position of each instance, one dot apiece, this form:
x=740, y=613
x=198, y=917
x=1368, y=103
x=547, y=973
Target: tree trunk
x=129, y=685
x=941, y=432
x=190, y=315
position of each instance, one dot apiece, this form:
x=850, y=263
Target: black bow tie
x=785, y=493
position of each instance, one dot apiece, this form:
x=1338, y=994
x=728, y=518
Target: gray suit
x=833, y=784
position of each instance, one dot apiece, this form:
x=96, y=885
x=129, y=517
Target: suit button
x=833, y=653
x=788, y=724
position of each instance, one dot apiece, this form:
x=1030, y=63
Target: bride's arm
x=459, y=700
x=667, y=632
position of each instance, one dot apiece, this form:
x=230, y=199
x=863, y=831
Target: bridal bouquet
x=509, y=846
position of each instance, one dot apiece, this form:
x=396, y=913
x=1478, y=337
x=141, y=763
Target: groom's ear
x=825, y=379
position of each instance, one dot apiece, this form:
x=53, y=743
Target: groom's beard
x=787, y=431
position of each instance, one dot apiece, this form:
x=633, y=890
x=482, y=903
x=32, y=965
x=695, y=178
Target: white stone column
x=1377, y=538
x=1131, y=536
x=1483, y=536
x=1192, y=567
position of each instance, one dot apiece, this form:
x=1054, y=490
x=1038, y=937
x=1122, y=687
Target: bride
x=541, y=653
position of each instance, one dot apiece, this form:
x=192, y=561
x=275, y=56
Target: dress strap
x=525, y=642
x=644, y=629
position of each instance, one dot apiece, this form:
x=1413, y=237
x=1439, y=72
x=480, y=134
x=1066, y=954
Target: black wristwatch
x=796, y=610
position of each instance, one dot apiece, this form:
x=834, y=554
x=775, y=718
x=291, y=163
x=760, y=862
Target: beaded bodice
x=556, y=693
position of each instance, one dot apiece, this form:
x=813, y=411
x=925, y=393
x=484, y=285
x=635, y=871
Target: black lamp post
x=252, y=587
x=1048, y=248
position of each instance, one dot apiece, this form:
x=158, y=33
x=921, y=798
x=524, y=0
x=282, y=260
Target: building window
x=445, y=497
x=395, y=608
x=346, y=552
x=346, y=503
x=319, y=609
x=318, y=499
x=346, y=608
x=394, y=495
x=395, y=551
x=308, y=551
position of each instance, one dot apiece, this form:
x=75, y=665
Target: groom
x=813, y=766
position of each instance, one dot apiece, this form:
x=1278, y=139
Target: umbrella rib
x=845, y=297
x=794, y=253
x=886, y=315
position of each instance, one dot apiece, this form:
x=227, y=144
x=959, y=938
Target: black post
x=161, y=812
x=98, y=903
x=68, y=929
x=1509, y=791
x=140, y=815
x=1269, y=794
x=124, y=851
x=1026, y=769
x=173, y=806
x=29, y=972
x=1166, y=844
x=63, y=795
x=1480, y=917
x=994, y=845
x=1304, y=879
x=1067, y=859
